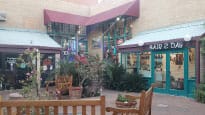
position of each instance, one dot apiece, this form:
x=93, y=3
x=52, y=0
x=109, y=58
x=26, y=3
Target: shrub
x=200, y=93
x=124, y=81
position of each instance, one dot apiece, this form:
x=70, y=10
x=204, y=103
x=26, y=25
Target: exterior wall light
x=78, y=31
x=118, y=19
x=131, y=26
x=140, y=43
x=187, y=38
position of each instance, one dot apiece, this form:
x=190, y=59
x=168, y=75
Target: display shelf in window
x=145, y=61
x=131, y=60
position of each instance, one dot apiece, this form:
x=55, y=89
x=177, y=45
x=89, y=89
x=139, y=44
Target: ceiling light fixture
x=140, y=43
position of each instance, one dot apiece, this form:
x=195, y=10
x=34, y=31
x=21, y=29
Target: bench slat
x=37, y=110
x=46, y=110
x=18, y=110
x=65, y=110
x=92, y=110
x=9, y=111
x=83, y=110
x=28, y=110
x=74, y=110
x=55, y=110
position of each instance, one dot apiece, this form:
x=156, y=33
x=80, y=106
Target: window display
x=177, y=71
x=131, y=60
x=160, y=69
x=192, y=63
x=145, y=61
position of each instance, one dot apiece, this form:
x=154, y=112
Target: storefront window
x=48, y=67
x=131, y=60
x=67, y=35
x=160, y=69
x=177, y=70
x=1, y=61
x=123, y=60
x=145, y=61
x=191, y=63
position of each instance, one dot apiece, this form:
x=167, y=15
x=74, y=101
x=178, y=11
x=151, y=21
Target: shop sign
x=163, y=46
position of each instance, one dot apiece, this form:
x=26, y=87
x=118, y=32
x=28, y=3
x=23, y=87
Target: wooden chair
x=144, y=105
x=62, y=84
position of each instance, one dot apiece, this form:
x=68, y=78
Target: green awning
x=26, y=38
x=192, y=29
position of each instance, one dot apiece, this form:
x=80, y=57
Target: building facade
x=164, y=33
x=160, y=38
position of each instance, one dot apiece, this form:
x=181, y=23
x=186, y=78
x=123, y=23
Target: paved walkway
x=162, y=104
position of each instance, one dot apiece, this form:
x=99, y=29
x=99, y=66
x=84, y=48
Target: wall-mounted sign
x=2, y=16
x=163, y=46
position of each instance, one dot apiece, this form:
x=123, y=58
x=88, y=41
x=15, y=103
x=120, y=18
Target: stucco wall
x=84, y=2
x=106, y=5
x=161, y=13
x=28, y=14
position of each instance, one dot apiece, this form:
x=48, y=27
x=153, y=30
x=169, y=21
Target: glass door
x=169, y=71
x=176, y=70
x=160, y=69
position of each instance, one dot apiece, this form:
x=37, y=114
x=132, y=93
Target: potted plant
x=66, y=69
x=64, y=78
x=125, y=101
x=90, y=76
x=31, y=84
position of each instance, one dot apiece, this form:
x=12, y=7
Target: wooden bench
x=58, y=107
x=144, y=108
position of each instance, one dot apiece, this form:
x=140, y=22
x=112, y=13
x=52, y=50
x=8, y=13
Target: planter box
x=129, y=104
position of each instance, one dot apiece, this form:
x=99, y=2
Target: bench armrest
x=122, y=110
x=132, y=97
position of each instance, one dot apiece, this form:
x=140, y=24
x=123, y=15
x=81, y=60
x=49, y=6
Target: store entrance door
x=159, y=71
x=177, y=72
x=169, y=72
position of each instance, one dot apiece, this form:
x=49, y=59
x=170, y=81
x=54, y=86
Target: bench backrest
x=144, y=105
x=146, y=102
x=36, y=107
